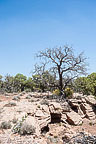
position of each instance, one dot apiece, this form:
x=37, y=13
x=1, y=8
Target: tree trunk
x=60, y=80
x=22, y=88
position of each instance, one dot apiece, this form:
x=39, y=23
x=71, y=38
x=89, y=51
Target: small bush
x=28, y=90
x=17, y=126
x=17, y=98
x=28, y=97
x=56, y=92
x=37, y=89
x=5, y=125
x=31, y=100
x=14, y=120
x=12, y=104
x=27, y=129
x=68, y=92
x=44, y=102
x=38, y=106
x=90, y=123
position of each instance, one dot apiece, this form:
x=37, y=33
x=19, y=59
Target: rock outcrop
x=46, y=120
x=73, y=118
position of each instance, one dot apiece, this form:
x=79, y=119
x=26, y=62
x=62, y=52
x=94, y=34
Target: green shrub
x=68, y=92
x=44, y=102
x=90, y=123
x=28, y=90
x=5, y=125
x=56, y=92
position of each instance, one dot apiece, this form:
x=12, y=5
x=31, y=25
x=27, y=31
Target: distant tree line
x=86, y=85
x=46, y=82
x=21, y=83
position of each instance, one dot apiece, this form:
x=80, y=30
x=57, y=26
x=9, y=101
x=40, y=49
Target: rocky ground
x=41, y=118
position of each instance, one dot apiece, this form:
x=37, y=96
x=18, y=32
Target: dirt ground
x=56, y=130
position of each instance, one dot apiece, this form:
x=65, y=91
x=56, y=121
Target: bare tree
x=63, y=61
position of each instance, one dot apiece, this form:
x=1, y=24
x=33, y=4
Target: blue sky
x=28, y=26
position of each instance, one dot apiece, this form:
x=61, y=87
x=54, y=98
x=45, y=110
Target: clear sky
x=28, y=26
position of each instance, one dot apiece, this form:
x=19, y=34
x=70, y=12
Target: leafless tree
x=63, y=61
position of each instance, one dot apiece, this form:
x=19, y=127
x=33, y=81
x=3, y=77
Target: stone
x=55, y=112
x=77, y=95
x=40, y=114
x=85, y=107
x=55, y=108
x=74, y=104
x=90, y=99
x=80, y=112
x=73, y=118
x=65, y=107
x=43, y=117
x=64, y=118
x=88, y=111
x=82, y=138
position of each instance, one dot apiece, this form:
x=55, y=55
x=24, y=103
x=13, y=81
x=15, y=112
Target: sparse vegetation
x=27, y=129
x=90, y=123
x=38, y=106
x=5, y=125
x=44, y=102
x=17, y=98
x=28, y=97
x=68, y=92
x=14, y=120
x=12, y=103
x=56, y=92
x=17, y=126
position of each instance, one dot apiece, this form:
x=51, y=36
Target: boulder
x=73, y=118
x=86, y=107
x=88, y=111
x=77, y=95
x=74, y=104
x=90, y=100
x=55, y=108
x=55, y=112
x=43, y=116
x=40, y=114
x=80, y=112
x=65, y=107
x=64, y=118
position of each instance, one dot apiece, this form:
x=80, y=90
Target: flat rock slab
x=73, y=118
x=90, y=100
x=55, y=108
